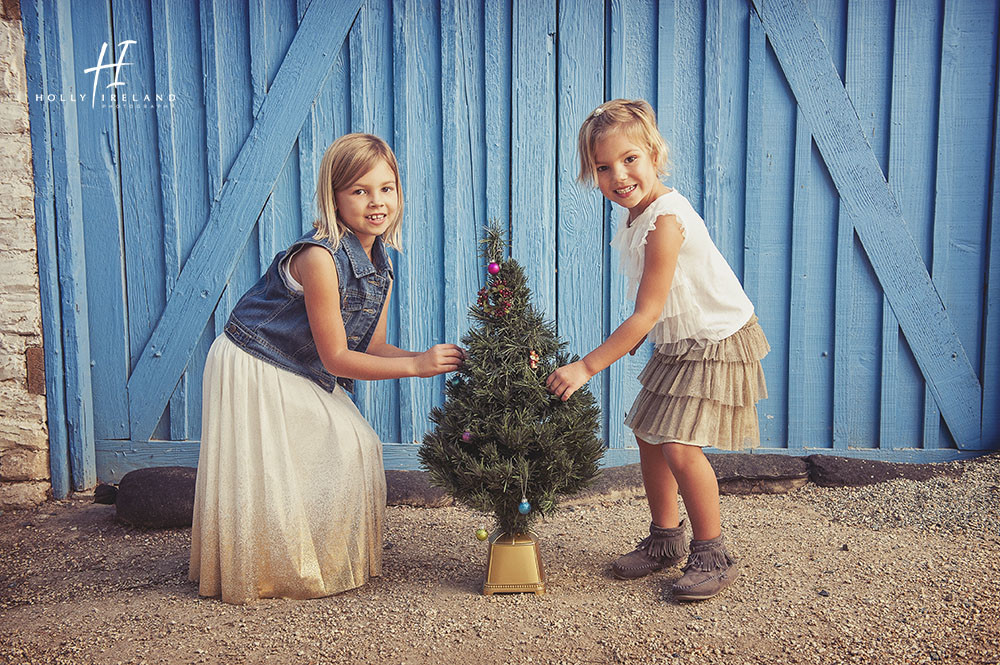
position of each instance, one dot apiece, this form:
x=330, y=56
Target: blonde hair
x=635, y=119
x=347, y=159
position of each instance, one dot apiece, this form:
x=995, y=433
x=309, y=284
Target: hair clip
x=598, y=111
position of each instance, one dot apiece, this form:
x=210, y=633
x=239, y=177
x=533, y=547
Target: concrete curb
x=159, y=497
x=738, y=473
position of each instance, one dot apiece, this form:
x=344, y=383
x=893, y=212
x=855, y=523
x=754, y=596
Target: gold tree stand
x=514, y=565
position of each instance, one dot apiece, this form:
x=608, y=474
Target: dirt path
x=77, y=587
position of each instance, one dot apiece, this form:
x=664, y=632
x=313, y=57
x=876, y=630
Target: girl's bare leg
x=660, y=484
x=694, y=478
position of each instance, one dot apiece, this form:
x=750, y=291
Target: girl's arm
x=378, y=346
x=313, y=267
x=663, y=243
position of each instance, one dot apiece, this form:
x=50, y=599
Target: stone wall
x=24, y=447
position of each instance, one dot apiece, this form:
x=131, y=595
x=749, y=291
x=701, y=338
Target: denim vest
x=270, y=320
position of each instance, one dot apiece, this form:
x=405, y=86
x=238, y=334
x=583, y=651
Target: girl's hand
x=438, y=359
x=567, y=379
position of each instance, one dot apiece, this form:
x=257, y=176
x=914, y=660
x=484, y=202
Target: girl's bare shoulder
x=313, y=263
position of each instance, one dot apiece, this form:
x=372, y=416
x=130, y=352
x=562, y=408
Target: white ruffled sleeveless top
x=706, y=303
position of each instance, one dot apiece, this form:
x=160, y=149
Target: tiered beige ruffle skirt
x=290, y=496
x=703, y=395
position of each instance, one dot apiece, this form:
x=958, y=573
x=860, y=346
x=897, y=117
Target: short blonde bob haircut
x=635, y=119
x=347, y=159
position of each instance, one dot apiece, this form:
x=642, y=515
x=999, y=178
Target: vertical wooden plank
x=533, y=148
x=688, y=139
x=329, y=118
x=843, y=311
x=665, y=63
x=38, y=37
x=725, y=89
x=912, y=162
x=497, y=21
x=229, y=117
x=869, y=38
x=812, y=244
x=142, y=206
x=402, y=33
x=464, y=163
x=759, y=168
x=842, y=315
x=61, y=67
x=235, y=90
x=213, y=130
x=187, y=75
x=184, y=190
x=965, y=126
x=417, y=117
x=991, y=328
x=371, y=111
x=276, y=22
x=713, y=117
x=756, y=63
x=310, y=150
x=259, y=15
x=817, y=337
x=261, y=18
x=332, y=111
x=730, y=151
x=273, y=24
x=774, y=231
x=798, y=399
x=580, y=234
x=844, y=352
x=101, y=212
x=162, y=56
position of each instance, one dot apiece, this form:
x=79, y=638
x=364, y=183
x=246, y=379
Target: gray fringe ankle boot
x=662, y=548
x=709, y=570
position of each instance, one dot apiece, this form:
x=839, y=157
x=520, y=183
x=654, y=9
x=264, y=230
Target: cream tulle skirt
x=290, y=496
x=703, y=395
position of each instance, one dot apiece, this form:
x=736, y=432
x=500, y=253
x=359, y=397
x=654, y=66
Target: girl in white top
x=701, y=386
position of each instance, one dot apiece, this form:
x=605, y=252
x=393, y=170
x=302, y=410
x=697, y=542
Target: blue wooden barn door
x=802, y=132
x=829, y=114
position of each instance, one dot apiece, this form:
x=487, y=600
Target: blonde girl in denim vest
x=701, y=386
x=290, y=495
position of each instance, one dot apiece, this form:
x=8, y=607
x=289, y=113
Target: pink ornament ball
x=466, y=436
x=493, y=268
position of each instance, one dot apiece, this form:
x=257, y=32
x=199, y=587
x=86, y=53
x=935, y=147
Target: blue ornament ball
x=524, y=507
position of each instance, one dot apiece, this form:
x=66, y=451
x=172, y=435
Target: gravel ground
x=902, y=572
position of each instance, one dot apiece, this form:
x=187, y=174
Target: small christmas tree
x=502, y=443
